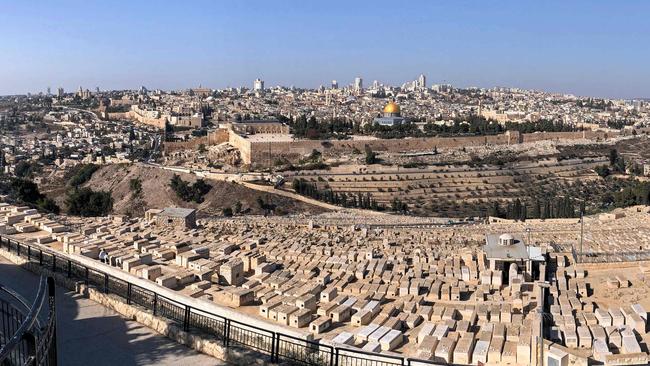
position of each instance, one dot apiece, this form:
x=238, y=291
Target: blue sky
x=598, y=48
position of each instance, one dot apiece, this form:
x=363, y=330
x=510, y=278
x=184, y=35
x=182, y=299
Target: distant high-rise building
x=97, y=89
x=375, y=84
x=80, y=92
x=258, y=85
x=422, y=82
x=335, y=84
x=442, y=88
x=60, y=92
x=49, y=91
x=358, y=84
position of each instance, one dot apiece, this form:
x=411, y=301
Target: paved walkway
x=90, y=334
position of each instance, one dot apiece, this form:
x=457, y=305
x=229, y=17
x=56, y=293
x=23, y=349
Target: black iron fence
x=276, y=347
x=28, y=330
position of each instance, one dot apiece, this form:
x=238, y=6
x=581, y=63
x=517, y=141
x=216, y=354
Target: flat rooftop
x=494, y=250
x=177, y=212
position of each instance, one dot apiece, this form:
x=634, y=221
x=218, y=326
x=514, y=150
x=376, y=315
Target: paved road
x=90, y=334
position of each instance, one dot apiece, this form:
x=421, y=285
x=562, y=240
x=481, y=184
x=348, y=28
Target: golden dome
x=391, y=107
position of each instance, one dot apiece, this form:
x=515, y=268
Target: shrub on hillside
x=82, y=174
x=88, y=203
x=189, y=192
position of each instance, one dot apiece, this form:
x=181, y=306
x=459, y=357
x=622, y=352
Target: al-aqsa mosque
x=392, y=115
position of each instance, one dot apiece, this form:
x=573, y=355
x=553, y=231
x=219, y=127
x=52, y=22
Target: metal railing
x=607, y=257
x=276, y=347
x=28, y=331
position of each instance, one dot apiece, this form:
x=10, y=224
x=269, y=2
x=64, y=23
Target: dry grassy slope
x=157, y=194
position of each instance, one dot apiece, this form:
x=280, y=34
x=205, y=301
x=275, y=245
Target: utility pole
x=542, y=285
x=582, y=233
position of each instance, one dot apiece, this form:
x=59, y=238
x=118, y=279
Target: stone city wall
x=259, y=152
x=266, y=152
x=213, y=138
x=156, y=122
x=294, y=150
x=587, y=134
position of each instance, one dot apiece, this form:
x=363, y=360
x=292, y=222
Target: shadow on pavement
x=90, y=334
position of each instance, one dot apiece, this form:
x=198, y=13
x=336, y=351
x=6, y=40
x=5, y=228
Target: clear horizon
x=580, y=47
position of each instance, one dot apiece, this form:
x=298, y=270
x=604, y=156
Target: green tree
x=237, y=207
x=25, y=169
x=371, y=156
x=82, y=174
x=194, y=192
x=48, y=205
x=602, y=171
x=135, y=185
x=88, y=203
x=613, y=156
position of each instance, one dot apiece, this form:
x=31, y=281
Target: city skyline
x=324, y=183
x=577, y=48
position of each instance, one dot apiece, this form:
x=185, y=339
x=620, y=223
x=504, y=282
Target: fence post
x=226, y=332
x=274, y=347
x=128, y=293
x=53, y=263
x=331, y=356
x=18, y=249
x=186, y=322
x=29, y=253
x=336, y=356
x=105, y=283
x=69, y=268
x=51, y=293
x=86, y=279
x=40, y=257
x=155, y=303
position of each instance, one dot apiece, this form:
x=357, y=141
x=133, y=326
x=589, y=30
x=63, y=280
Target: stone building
x=183, y=218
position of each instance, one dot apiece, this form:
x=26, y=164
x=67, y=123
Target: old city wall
x=293, y=150
x=156, y=122
x=592, y=135
x=116, y=116
x=213, y=138
x=265, y=152
x=244, y=145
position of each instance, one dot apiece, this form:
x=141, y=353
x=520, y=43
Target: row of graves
x=416, y=293
x=611, y=335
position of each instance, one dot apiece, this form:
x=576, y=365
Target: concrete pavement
x=90, y=334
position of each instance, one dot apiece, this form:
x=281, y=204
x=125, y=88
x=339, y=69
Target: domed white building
x=501, y=251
